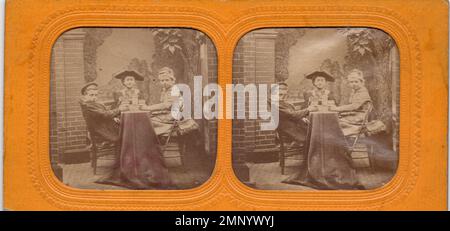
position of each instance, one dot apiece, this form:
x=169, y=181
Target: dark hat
x=88, y=86
x=316, y=74
x=124, y=74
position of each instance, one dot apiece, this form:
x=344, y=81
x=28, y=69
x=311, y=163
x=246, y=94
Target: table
x=140, y=163
x=328, y=166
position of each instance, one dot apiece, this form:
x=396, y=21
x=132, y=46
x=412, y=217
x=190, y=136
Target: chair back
x=90, y=138
x=367, y=111
x=360, y=153
x=363, y=128
x=279, y=136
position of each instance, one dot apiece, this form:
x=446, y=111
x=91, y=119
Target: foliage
x=286, y=38
x=95, y=37
x=369, y=50
x=182, y=42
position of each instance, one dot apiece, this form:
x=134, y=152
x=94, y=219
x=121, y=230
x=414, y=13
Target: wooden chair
x=287, y=151
x=173, y=145
x=100, y=149
x=361, y=151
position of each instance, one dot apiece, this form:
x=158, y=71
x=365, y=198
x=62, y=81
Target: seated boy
x=101, y=121
x=162, y=119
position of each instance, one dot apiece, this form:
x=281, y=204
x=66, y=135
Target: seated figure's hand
x=117, y=120
x=332, y=108
x=123, y=107
x=312, y=108
x=306, y=121
x=144, y=108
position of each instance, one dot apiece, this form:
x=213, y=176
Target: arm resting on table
x=101, y=111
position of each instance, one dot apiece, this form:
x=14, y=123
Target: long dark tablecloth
x=140, y=164
x=328, y=165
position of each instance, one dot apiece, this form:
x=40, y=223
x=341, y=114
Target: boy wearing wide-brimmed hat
x=320, y=95
x=130, y=94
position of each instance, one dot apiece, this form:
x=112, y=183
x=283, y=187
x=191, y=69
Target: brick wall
x=238, y=133
x=67, y=126
x=264, y=74
x=253, y=63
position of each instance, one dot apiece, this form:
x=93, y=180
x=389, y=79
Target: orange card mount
x=89, y=87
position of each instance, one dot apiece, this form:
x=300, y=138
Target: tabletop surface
x=133, y=112
x=323, y=112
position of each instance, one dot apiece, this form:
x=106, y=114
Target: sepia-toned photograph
x=338, y=109
x=112, y=119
